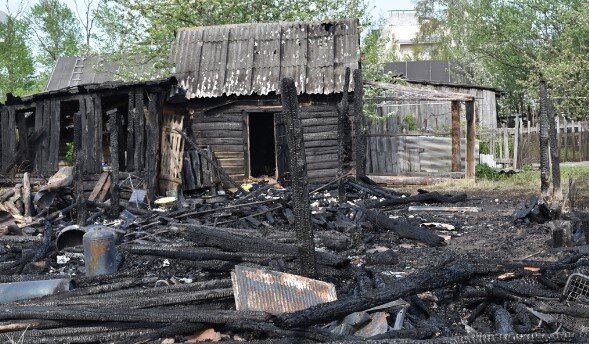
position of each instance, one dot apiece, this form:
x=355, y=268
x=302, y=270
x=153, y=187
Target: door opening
x=262, y=150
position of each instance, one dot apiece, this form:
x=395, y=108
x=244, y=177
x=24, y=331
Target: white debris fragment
x=185, y=280
x=62, y=260
x=166, y=263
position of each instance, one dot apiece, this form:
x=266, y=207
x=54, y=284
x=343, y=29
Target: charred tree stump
x=343, y=109
x=359, y=125
x=82, y=213
x=544, y=126
x=555, y=157
x=113, y=129
x=298, y=175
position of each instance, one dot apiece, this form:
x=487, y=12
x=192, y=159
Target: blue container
x=100, y=252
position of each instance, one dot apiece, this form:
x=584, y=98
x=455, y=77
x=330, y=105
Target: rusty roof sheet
x=245, y=59
x=277, y=292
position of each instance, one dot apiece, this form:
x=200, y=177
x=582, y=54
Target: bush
x=487, y=172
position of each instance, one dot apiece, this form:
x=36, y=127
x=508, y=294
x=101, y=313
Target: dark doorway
x=261, y=144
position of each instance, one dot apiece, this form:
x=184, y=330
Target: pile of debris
x=228, y=268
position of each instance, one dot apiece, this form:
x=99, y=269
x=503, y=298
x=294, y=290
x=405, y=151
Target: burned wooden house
x=231, y=75
x=36, y=130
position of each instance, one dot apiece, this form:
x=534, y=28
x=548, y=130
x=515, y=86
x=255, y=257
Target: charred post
x=544, y=128
x=343, y=109
x=359, y=125
x=555, y=157
x=113, y=129
x=298, y=171
x=455, y=136
x=470, y=140
x=78, y=166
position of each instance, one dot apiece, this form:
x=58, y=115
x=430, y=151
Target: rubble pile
x=226, y=268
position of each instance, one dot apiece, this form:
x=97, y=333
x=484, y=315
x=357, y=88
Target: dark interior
x=121, y=103
x=262, y=145
x=66, y=125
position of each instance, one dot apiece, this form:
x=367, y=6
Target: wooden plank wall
x=320, y=135
x=8, y=141
x=226, y=133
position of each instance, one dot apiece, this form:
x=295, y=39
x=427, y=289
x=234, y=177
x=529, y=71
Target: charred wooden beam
x=404, y=287
x=455, y=136
x=298, y=178
x=555, y=156
x=359, y=125
x=129, y=164
x=426, y=197
x=343, y=110
x=470, y=140
x=544, y=128
x=113, y=128
x=78, y=166
x=404, y=229
x=218, y=237
x=219, y=169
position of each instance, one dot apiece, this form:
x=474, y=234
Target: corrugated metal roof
x=277, y=292
x=245, y=59
x=74, y=71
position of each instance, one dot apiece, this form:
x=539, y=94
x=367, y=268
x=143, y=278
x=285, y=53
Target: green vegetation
x=410, y=122
x=512, y=44
x=487, y=172
x=69, y=155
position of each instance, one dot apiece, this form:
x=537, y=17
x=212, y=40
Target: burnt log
x=403, y=229
x=427, y=197
x=404, y=287
x=113, y=129
x=544, y=142
x=217, y=237
x=297, y=163
x=502, y=319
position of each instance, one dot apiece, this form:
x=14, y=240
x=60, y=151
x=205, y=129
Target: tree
x=512, y=44
x=16, y=61
x=55, y=30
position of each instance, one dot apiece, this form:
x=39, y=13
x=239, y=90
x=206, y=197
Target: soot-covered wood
x=298, y=178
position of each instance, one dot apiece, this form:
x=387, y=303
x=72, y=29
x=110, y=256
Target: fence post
x=515, y=141
x=455, y=136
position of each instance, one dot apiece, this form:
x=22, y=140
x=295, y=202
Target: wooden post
x=26, y=196
x=470, y=140
x=455, y=136
x=298, y=172
x=544, y=128
x=152, y=140
x=343, y=109
x=555, y=158
x=359, y=125
x=516, y=142
x=565, y=135
x=78, y=166
x=113, y=129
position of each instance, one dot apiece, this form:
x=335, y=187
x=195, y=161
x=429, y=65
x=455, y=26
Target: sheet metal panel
x=256, y=56
x=277, y=292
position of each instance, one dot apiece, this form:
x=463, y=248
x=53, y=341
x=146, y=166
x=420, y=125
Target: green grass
x=525, y=182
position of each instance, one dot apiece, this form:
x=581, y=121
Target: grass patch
x=525, y=182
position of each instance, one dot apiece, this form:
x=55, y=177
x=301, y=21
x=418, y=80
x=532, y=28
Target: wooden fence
x=519, y=146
